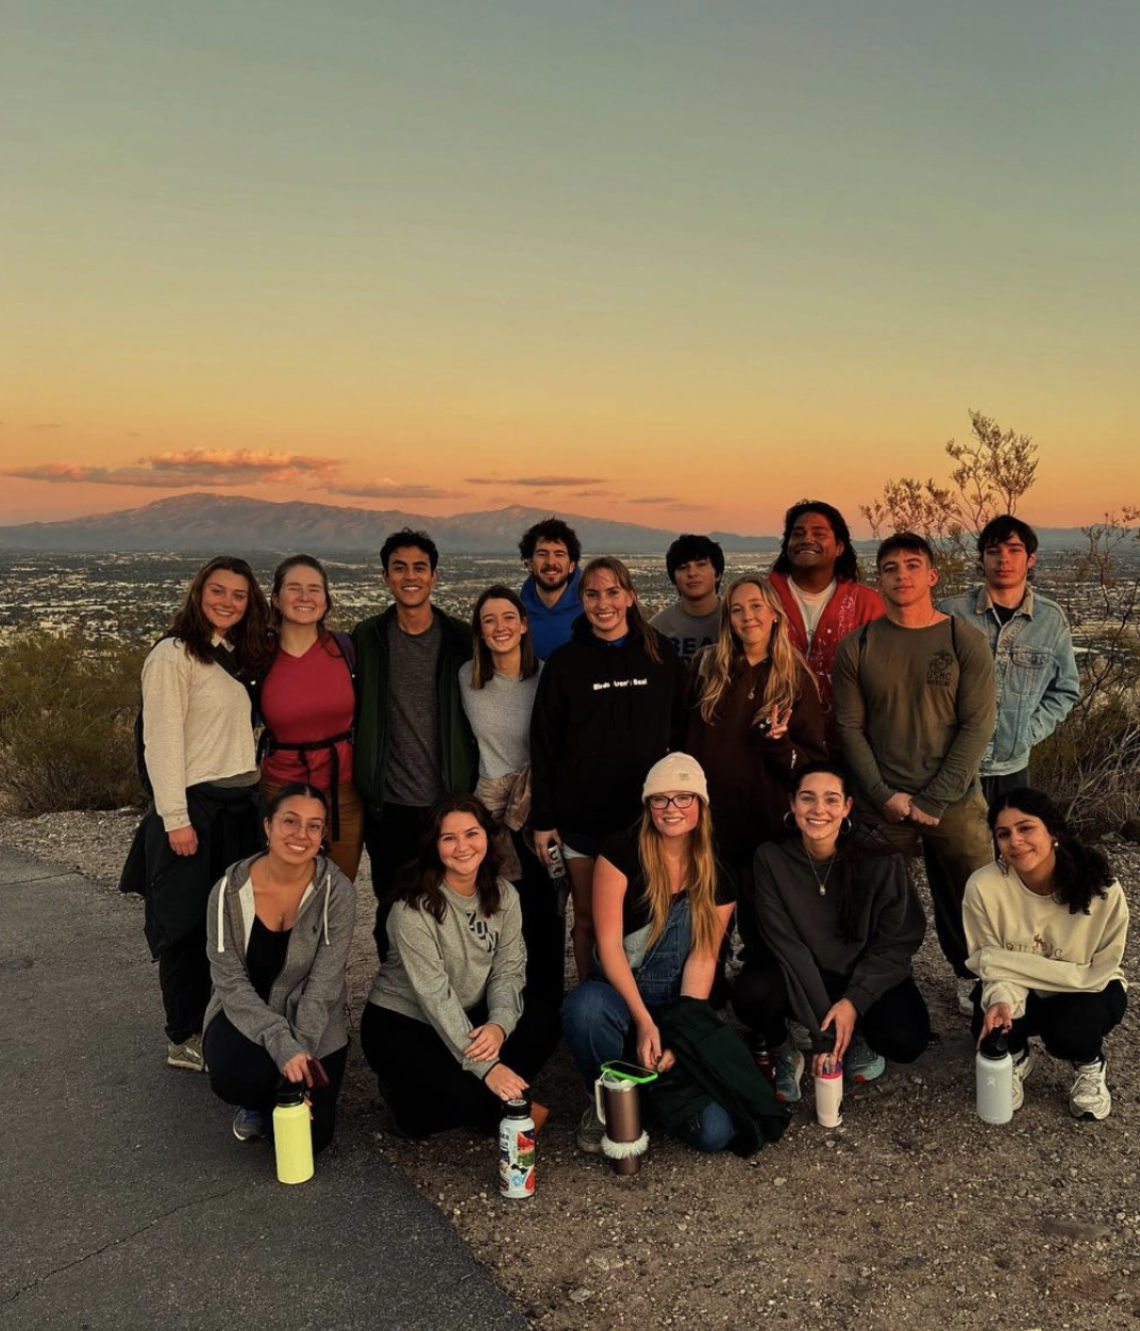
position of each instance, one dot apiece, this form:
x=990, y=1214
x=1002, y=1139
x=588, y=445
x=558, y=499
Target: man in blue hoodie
x=551, y=551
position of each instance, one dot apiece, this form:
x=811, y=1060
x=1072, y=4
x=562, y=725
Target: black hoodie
x=602, y=717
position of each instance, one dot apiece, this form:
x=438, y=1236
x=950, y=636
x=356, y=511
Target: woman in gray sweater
x=445, y=1027
x=840, y=923
x=279, y=928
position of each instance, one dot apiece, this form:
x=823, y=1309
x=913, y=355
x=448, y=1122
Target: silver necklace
x=821, y=883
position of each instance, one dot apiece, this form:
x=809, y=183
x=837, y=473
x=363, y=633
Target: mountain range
x=210, y=523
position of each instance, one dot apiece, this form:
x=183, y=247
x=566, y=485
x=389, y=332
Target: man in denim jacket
x=1034, y=666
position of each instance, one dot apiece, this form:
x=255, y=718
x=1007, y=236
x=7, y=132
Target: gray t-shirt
x=499, y=714
x=688, y=633
x=413, y=775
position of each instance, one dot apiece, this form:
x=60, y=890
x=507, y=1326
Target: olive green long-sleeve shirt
x=915, y=710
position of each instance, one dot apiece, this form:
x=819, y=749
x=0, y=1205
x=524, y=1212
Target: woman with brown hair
x=307, y=699
x=198, y=761
x=607, y=708
x=498, y=687
x=446, y=1028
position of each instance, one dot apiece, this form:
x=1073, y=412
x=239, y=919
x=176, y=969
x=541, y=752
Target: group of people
x=767, y=753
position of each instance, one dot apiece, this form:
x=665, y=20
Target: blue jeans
x=597, y=1026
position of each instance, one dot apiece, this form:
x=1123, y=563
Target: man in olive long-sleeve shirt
x=914, y=702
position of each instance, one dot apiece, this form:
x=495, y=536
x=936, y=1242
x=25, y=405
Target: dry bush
x=66, y=724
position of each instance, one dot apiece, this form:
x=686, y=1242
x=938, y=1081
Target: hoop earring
x=846, y=827
x=1003, y=866
x=789, y=820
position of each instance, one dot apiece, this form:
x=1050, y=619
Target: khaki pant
x=346, y=849
x=952, y=851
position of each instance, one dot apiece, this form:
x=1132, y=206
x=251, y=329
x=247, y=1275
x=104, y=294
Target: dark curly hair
x=846, y=563
x=1081, y=872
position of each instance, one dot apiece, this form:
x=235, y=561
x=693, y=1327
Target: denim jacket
x=1035, y=672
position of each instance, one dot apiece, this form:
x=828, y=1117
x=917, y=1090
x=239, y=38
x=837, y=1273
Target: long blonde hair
x=635, y=620
x=700, y=880
x=789, y=673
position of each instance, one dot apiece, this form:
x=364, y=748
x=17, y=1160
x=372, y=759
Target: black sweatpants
x=424, y=1085
x=392, y=840
x=1071, y=1026
x=184, y=978
x=543, y=928
x=896, y=1026
x=242, y=1073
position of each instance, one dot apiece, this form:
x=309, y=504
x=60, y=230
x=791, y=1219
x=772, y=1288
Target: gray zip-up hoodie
x=308, y=999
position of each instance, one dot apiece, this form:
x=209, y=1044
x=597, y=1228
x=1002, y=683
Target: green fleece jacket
x=458, y=757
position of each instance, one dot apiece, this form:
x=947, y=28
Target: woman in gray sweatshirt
x=445, y=1027
x=279, y=927
x=840, y=923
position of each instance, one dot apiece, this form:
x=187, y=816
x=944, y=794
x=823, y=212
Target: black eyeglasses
x=659, y=803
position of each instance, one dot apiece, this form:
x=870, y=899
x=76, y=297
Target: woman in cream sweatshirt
x=1046, y=925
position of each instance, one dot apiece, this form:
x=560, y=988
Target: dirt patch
x=913, y=1214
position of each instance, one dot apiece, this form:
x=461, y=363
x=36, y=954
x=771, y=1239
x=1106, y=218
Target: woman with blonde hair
x=607, y=706
x=661, y=905
x=753, y=718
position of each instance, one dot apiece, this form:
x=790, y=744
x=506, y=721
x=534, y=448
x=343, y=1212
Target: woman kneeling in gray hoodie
x=279, y=927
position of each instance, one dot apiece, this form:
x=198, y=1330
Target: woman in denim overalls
x=661, y=907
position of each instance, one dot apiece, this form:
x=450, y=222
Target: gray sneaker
x=186, y=1055
x=249, y=1125
x=789, y=1073
x=861, y=1063
x=1090, y=1096
x=590, y=1132
x=964, y=990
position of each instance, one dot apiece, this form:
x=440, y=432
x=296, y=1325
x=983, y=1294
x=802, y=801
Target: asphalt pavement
x=127, y=1201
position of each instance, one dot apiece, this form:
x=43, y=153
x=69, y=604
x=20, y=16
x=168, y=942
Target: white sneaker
x=590, y=1132
x=1090, y=1096
x=1022, y=1067
x=965, y=1002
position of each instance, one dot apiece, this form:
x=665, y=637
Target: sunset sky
x=677, y=262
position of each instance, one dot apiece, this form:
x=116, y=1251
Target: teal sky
x=702, y=254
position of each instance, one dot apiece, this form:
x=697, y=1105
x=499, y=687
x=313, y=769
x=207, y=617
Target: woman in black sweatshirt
x=842, y=920
x=606, y=711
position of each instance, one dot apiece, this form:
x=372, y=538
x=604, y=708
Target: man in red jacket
x=817, y=578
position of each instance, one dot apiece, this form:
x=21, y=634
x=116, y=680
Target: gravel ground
x=912, y=1214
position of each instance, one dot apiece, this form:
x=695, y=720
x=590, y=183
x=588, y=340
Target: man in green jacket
x=412, y=742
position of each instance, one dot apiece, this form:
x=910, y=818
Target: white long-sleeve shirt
x=197, y=727
x=1020, y=941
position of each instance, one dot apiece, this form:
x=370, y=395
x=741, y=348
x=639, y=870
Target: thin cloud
x=656, y=499
x=542, y=482
x=389, y=489
x=189, y=469
x=558, y=480
x=594, y=494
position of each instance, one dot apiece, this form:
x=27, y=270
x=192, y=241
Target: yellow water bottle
x=293, y=1135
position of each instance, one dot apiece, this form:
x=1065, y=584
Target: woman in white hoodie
x=280, y=926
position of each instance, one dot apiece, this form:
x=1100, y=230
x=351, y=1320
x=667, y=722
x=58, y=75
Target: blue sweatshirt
x=550, y=628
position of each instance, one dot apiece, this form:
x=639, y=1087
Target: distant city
x=130, y=597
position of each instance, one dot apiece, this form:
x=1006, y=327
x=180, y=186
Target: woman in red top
x=307, y=701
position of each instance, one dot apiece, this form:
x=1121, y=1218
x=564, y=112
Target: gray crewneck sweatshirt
x=438, y=970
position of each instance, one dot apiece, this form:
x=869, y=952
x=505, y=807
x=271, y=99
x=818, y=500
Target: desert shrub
x=66, y=724
x=1091, y=766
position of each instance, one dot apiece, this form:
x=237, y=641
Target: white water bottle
x=829, y=1095
x=516, y=1150
x=993, y=1067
